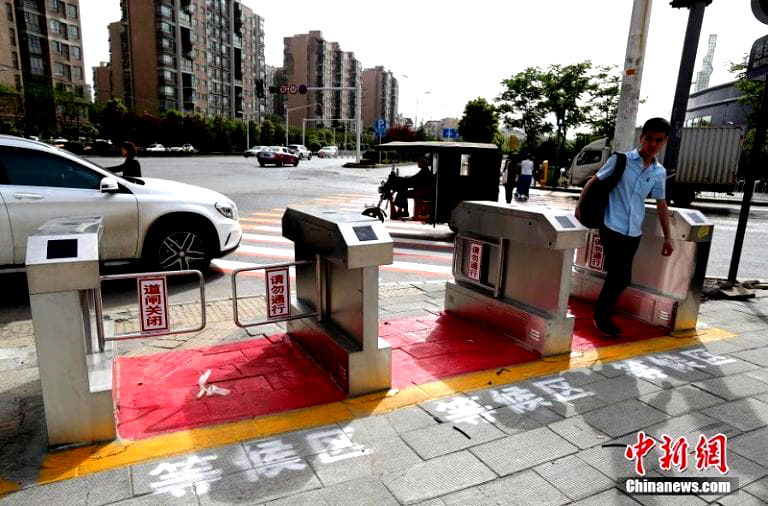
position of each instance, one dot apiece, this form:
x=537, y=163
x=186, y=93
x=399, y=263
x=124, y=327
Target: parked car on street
x=168, y=225
x=300, y=150
x=156, y=148
x=184, y=148
x=328, y=152
x=253, y=151
x=277, y=155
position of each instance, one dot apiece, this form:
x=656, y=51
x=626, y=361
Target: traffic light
x=260, y=88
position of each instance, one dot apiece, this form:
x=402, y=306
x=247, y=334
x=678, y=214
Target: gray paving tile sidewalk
x=549, y=441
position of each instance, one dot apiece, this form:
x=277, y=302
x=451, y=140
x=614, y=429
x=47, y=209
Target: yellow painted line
x=6, y=487
x=96, y=458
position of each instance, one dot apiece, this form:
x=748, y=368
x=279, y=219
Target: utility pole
x=626, y=114
x=684, y=78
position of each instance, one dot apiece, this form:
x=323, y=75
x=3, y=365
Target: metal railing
x=318, y=293
x=99, y=308
x=500, y=258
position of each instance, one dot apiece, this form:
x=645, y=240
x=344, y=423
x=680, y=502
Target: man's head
x=423, y=162
x=654, y=136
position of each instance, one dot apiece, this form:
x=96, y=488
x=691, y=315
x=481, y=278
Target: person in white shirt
x=526, y=175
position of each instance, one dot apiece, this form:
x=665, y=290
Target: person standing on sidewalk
x=509, y=178
x=622, y=228
x=524, y=180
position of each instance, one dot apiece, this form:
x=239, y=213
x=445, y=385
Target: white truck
x=708, y=161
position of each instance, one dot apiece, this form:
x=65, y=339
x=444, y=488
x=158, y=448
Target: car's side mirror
x=109, y=185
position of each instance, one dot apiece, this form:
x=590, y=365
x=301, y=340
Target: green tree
x=563, y=88
x=522, y=103
x=751, y=96
x=480, y=122
x=604, y=95
x=112, y=121
x=267, y=133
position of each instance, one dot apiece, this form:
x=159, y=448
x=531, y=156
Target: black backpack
x=595, y=201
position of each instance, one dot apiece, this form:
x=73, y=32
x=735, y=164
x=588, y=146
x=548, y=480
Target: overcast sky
x=453, y=51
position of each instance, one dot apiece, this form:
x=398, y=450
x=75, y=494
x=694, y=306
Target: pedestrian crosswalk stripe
x=277, y=239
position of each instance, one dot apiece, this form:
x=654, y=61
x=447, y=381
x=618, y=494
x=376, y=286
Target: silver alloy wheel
x=181, y=251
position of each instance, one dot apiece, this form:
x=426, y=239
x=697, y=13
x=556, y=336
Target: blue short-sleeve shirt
x=626, y=203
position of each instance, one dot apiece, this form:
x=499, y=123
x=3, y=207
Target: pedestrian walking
x=509, y=178
x=526, y=175
x=130, y=166
x=620, y=233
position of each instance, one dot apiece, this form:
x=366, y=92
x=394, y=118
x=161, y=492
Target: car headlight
x=227, y=210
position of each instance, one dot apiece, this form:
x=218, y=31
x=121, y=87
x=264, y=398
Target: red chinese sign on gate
x=278, y=293
x=153, y=304
x=475, y=260
x=596, y=255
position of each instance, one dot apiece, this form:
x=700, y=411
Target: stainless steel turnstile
x=512, y=270
x=665, y=291
x=337, y=284
x=63, y=275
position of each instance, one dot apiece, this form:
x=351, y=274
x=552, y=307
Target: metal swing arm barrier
x=500, y=259
x=318, y=293
x=99, y=307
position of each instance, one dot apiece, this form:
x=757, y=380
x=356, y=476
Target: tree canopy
x=480, y=122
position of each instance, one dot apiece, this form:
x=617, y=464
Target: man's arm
x=663, y=211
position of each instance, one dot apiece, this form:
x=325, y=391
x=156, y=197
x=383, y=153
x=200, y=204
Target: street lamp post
x=417, y=109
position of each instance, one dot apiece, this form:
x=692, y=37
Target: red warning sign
x=153, y=304
x=596, y=255
x=475, y=260
x=278, y=293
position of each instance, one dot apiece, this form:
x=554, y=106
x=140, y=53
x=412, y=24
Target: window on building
x=77, y=73
x=32, y=21
x=54, y=26
x=9, y=11
x=76, y=53
x=35, y=45
x=58, y=69
x=166, y=27
x=72, y=11
x=74, y=32
x=15, y=60
x=12, y=35
x=17, y=78
x=36, y=65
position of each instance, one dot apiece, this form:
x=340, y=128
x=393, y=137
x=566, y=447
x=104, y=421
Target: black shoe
x=605, y=326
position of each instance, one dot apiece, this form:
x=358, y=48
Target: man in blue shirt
x=620, y=234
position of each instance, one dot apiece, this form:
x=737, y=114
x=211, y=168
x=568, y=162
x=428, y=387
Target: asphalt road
x=421, y=252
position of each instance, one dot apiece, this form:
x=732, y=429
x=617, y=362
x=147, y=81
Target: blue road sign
x=450, y=133
x=380, y=126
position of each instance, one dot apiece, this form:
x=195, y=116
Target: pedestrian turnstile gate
x=665, y=291
x=337, y=285
x=512, y=269
x=62, y=274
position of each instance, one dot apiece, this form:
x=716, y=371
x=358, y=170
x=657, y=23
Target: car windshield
x=273, y=148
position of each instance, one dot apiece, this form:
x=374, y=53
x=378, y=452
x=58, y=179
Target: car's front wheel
x=177, y=248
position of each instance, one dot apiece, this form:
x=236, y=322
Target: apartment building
x=380, y=96
x=202, y=56
x=41, y=52
x=311, y=60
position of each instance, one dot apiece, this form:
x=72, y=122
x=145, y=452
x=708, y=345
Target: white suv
x=301, y=151
x=170, y=225
x=328, y=152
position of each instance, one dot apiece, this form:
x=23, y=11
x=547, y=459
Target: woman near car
x=130, y=166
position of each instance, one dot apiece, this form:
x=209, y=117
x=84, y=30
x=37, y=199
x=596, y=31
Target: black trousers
x=619, y=252
x=508, y=188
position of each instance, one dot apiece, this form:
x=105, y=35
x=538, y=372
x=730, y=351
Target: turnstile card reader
x=512, y=271
x=344, y=338
x=665, y=291
x=62, y=270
